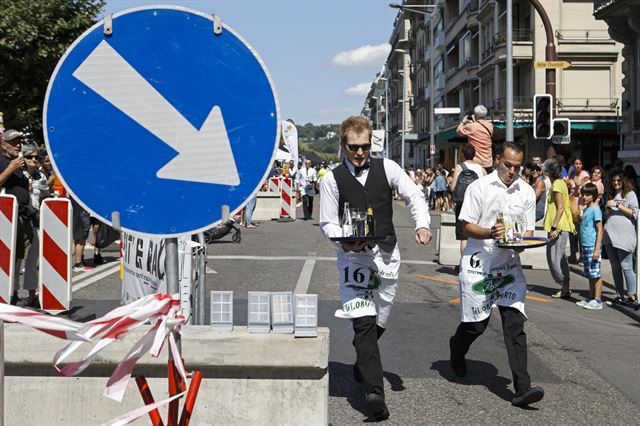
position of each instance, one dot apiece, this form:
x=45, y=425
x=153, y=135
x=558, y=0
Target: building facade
x=465, y=43
x=623, y=19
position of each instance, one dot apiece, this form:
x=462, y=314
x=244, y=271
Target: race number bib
x=357, y=283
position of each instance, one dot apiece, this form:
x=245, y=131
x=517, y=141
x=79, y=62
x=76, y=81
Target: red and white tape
x=55, y=257
x=8, y=231
x=161, y=310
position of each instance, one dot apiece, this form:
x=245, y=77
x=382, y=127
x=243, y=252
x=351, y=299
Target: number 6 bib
x=357, y=283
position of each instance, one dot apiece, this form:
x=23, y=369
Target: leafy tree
x=34, y=36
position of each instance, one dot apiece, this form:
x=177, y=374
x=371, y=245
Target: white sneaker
x=593, y=304
x=583, y=303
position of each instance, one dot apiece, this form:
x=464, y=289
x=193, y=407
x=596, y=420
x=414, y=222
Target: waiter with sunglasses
x=368, y=272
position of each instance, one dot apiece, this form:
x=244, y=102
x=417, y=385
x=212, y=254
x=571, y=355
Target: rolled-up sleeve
x=412, y=196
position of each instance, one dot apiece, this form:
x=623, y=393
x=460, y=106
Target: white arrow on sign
x=203, y=155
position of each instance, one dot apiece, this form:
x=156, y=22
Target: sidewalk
x=607, y=278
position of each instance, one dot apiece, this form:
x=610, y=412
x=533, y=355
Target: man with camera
x=479, y=133
x=15, y=182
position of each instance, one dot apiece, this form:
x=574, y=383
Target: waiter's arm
x=329, y=220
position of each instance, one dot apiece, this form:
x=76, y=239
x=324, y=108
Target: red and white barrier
x=286, y=199
x=274, y=185
x=56, y=221
x=8, y=231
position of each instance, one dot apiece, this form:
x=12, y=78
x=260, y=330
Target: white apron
x=489, y=276
x=368, y=282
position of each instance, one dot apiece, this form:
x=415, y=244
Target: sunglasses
x=355, y=148
x=31, y=157
x=617, y=180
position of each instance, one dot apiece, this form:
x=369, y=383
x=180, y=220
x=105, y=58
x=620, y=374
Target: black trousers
x=365, y=340
x=307, y=206
x=515, y=340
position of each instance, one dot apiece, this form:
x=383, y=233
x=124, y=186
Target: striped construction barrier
x=274, y=185
x=56, y=221
x=286, y=199
x=8, y=232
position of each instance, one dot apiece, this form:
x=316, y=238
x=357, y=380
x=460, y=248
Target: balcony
x=583, y=36
x=599, y=5
x=520, y=103
x=451, y=72
x=500, y=38
x=587, y=104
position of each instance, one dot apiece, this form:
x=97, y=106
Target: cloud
x=365, y=55
x=358, y=90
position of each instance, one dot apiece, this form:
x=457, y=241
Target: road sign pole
x=509, y=66
x=172, y=273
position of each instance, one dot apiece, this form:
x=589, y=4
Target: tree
x=35, y=35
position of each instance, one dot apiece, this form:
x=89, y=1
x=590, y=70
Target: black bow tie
x=360, y=169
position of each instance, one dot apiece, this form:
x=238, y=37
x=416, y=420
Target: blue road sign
x=163, y=120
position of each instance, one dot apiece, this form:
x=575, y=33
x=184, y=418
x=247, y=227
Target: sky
x=322, y=54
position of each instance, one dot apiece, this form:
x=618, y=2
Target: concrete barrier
x=449, y=247
x=268, y=206
x=249, y=379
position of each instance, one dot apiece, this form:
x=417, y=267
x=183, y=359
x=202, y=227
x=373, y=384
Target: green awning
x=581, y=125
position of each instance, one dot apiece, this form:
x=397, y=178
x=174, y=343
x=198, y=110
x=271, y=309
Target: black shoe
x=97, y=259
x=30, y=302
x=458, y=364
x=375, y=407
x=357, y=374
x=531, y=396
x=14, y=300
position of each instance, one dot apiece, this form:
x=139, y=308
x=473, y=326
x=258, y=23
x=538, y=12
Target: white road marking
x=211, y=271
x=305, y=276
x=94, y=278
x=316, y=258
x=84, y=275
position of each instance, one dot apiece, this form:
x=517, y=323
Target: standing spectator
x=479, y=133
x=596, y=179
x=427, y=182
x=411, y=173
x=590, y=245
x=620, y=235
x=463, y=174
x=47, y=169
x=562, y=163
x=248, y=212
x=39, y=190
x=14, y=182
x=536, y=180
x=559, y=224
x=440, y=188
x=418, y=179
x=81, y=226
x=536, y=160
x=576, y=179
x=307, y=179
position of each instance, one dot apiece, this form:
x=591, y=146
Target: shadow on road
x=479, y=373
x=343, y=385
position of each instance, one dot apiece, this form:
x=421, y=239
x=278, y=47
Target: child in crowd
x=590, y=244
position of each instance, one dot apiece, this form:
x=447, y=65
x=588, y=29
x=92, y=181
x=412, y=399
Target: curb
x=630, y=312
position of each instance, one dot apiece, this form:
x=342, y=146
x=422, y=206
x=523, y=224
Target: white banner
x=144, y=273
x=377, y=141
x=290, y=136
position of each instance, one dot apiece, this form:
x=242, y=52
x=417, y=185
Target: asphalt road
x=585, y=360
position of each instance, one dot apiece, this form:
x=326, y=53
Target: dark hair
x=511, y=145
x=589, y=189
x=468, y=152
x=561, y=160
x=578, y=157
x=627, y=186
x=630, y=172
x=594, y=168
x=535, y=168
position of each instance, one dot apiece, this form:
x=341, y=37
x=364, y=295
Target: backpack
x=465, y=177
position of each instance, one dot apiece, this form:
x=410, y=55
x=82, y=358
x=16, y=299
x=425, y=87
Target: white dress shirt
x=487, y=196
x=307, y=176
x=397, y=179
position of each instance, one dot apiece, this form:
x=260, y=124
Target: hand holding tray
x=526, y=243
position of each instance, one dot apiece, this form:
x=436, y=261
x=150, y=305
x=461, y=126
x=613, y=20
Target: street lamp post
x=432, y=7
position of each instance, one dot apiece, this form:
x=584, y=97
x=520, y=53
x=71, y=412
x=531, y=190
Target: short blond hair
x=355, y=124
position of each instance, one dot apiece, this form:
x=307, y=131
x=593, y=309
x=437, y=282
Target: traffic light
x=562, y=127
x=542, y=116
